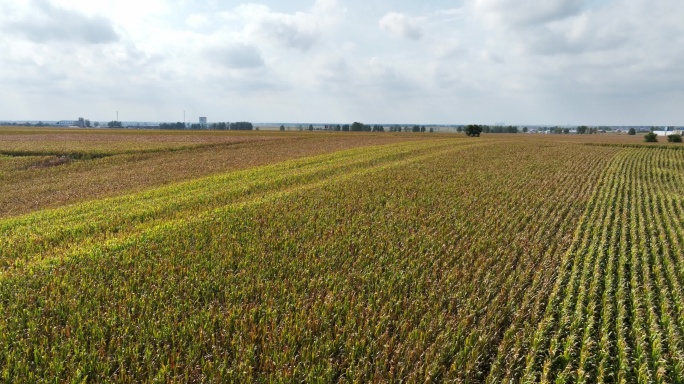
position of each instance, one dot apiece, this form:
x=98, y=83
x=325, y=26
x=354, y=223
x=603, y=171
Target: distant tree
x=282, y=127
x=416, y=128
x=241, y=126
x=96, y=124
x=422, y=128
x=459, y=129
x=582, y=129
x=345, y=128
x=524, y=129
x=114, y=124
x=310, y=127
x=356, y=127
x=337, y=128
x=177, y=126
x=511, y=129
x=566, y=130
x=473, y=130
x=431, y=130
x=651, y=137
x=674, y=138
x=631, y=132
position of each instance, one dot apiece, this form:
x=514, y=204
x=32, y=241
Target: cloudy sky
x=378, y=61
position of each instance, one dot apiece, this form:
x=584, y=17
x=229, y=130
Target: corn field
x=444, y=260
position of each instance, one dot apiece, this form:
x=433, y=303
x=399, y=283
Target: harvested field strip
x=70, y=155
x=101, y=153
x=62, y=142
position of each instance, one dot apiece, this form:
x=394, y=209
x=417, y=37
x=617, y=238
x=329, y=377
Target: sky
x=594, y=62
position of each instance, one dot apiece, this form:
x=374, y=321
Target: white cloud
x=236, y=56
x=448, y=48
x=333, y=71
x=44, y=22
x=489, y=60
x=197, y=21
x=401, y=25
x=390, y=80
x=299, y=30
x=610, y=49
x=518, y=13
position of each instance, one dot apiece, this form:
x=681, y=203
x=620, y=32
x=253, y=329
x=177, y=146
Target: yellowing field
x=41, y=168
x=369, y=258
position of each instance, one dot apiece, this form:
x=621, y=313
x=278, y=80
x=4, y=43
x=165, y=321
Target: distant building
x=669, y=131
x=66, y=123
x=81, y=123
x=142, y=124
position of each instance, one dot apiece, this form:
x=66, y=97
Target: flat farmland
x=316, y=257
x=42, y=168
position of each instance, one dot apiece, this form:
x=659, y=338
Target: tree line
x=222, y=126
x=477, y=129
x=361, y=127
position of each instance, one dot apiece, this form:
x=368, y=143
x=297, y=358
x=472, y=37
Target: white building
x=66, y=123
x=669, y=131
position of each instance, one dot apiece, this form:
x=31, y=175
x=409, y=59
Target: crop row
x=615, y=311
